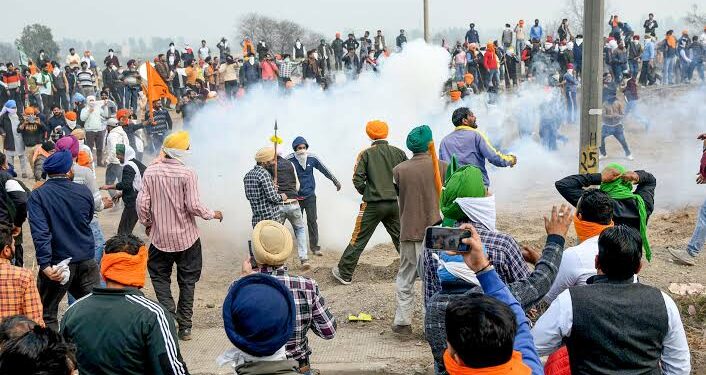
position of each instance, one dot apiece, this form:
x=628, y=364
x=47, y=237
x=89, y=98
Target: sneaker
x=402, y=330
x=305, y=265
x=337, y=275
x=682, y=257
x=185, y=334
x=317, y=252
x=630, y=157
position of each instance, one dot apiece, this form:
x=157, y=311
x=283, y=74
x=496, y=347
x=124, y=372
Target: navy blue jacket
x=307, y=183
x=60, y=213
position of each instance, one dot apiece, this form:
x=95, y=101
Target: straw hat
x=272, y=243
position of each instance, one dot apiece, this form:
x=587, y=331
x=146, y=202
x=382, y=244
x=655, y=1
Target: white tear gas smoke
x=405, y=93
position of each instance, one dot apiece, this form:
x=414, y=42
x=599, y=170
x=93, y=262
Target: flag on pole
x=156, y=88
x=23, y=57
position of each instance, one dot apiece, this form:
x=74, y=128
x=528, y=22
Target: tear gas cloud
x=406, y=93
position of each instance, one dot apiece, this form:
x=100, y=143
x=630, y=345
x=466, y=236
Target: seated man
x=117, y=329
x=457, y=281
x=488, y=333
x=466, y=200
x=272, y=246
x=615, y=323
x=259, y=316
x=632, y=205
x=19, y=294
x=594, y=213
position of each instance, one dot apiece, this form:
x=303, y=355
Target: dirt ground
x=373, y=289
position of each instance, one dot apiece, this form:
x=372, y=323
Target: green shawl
x=463, y=182
x=620, y=189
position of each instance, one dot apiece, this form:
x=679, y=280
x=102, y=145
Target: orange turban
x=30, y=111
x=455, y=95
x=468, y=78
x=122, y=113
x=377, y=129
x=83, y=159
x=125, y=268
x=70, y=115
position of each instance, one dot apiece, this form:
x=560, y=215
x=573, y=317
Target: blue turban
x=58, y=163
x=259, y=314
x=10, y=104
x=78, y=98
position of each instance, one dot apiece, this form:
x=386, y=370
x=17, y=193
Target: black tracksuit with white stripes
x=120, y=331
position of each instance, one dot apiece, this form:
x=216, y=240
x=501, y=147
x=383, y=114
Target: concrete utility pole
x=426, y=21
x=592, y=83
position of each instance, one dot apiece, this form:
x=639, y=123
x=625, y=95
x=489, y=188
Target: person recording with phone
x=464, y=275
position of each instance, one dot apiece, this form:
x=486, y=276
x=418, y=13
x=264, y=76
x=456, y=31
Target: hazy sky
x=116, y=20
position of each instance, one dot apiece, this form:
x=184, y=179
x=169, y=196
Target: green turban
x=466, y=182
x=120, y=149
x=418, y=139
x=621, y=189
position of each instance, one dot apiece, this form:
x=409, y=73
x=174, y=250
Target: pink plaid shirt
x=169, y=203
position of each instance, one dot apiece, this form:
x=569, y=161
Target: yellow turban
x=178, y=140
x=265, y=154
x=376, y=129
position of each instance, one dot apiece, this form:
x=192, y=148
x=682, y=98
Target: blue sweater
x=524, y=343
x=307, y=183
x=60, y=213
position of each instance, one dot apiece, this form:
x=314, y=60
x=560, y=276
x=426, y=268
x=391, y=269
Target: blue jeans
x=131, y=98
x=459, y=72
x=699, y=237
x=668, y=70
x=493, y=78
x=617, y=132
x=99, y=240
x=293, y=213
x=633, y=67
x=571, y=107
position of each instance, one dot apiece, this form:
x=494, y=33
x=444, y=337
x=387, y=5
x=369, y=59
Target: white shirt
x=204, y=52
x=555, y=325
x=578, y=263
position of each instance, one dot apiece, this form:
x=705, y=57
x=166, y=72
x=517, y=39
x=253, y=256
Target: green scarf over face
x=465, y=182
x=620, y=189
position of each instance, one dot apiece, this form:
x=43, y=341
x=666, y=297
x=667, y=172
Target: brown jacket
x=417, y=196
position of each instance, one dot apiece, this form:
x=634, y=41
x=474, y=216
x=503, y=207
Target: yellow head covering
x=179, y=140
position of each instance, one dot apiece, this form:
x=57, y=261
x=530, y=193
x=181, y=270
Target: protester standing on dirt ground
x=288, y=184
x=418, y=197
x=129, y=186
x=272, y=246
x=470, y=146
x=304, y=163
x=60, y=214
x=372, y=178
x=167, y=205
x=696, y=244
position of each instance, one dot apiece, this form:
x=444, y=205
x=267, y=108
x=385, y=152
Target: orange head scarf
x=512, y=367
x=490, y=47
x=124, y=268
x=587, y=229
x=671, y=41
x=83, y=159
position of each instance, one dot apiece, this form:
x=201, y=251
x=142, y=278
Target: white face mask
x=111, y=54
x=301, y=152
x=570, y=71
x=171, y=48
x=316, y=56
x=115, y=68
x=298, y=44
x=81, y=141
x=251, y=60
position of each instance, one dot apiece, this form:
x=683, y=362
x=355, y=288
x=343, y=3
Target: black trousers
x=308, y=205
x=189, y=265
x=128, y=220
x=84, y=277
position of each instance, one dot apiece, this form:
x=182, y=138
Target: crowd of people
x=62, y=123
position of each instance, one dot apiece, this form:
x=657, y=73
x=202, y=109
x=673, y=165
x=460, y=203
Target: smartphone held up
x=446, y=239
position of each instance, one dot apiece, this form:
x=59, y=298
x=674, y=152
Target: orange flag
x=156, y=88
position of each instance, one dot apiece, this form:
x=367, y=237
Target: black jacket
x=13, y=202
x=125, y=184
x=350, y=43
x=337, y=46
x=6, y=131
x=143, y=330
x=624, y=210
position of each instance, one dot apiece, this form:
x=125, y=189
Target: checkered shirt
x=263, y=197
x=18, y=293
x=311, y=312
x=286, y=68
x=503, y=252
